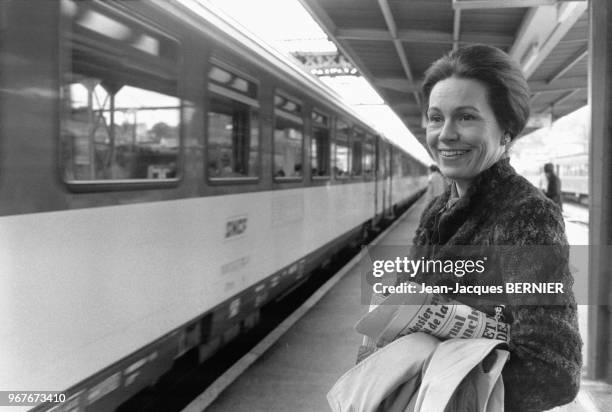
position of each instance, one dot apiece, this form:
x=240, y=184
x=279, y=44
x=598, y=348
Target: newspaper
x=401, y=314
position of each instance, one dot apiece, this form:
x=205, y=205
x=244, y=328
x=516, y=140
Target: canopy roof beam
x=565, y=97
x=490, y=4
x=422, y=36
x=536, y=86
x=541, y=30
x=563, y=84
x=390, y=21
x=456, y=28
x=571, y=62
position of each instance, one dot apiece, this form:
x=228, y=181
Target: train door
x=381, y=171
x=368, y=169
x=376, y=174
x=385, y=177
x=389, y=180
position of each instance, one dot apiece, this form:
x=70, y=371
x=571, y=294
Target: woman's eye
x=467, y=117
x=434, y=118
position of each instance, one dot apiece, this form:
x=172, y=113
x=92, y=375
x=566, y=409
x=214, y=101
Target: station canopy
x=393, y=42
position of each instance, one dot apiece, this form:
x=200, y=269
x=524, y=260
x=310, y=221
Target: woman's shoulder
x=529, y=216
x=524, y=196
x=502, y=187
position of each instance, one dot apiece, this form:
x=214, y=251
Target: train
x=163, y=176
x=572, y=170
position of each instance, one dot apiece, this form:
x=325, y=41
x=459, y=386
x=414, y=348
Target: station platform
x=295, y=372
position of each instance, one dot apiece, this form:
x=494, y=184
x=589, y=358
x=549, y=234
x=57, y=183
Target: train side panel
x=114, y=279
x=107, y=282
x=28, y=108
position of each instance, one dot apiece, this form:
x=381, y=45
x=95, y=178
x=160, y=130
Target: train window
x=233, y=126
x=341, y=150
x=357, y=153
x=368, y=157
x=120, y=114
x=319, y=150
x=233, y=139
x=288, y=138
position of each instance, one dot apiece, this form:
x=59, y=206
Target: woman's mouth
x=452, y=154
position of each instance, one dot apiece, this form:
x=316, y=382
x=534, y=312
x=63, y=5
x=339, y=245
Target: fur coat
x=503, y=208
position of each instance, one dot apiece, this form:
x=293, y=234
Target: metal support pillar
x=600, y=186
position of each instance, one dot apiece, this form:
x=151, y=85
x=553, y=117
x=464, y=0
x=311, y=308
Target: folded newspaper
x=401, y=314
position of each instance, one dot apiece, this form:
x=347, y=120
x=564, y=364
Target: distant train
x=162, y=177
x=573, y=170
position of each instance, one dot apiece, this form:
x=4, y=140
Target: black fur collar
x=440, y=222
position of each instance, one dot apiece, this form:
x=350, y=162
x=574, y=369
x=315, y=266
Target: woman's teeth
x=452, y=153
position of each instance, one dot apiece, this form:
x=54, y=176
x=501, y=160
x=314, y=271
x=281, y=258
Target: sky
x=287, y=26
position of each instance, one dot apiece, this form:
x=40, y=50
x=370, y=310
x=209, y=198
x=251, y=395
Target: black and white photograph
x=305, y=205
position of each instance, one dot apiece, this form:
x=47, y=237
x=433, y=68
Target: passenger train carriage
x=162, y=177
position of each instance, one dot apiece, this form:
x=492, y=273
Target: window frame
x=328, y=127
x=358, y=134
x=276, y=112
x=65, y=58
x=349, y=127
x=213, y=89
x=369, y=139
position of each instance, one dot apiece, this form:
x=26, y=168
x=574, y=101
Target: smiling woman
x=477, y=104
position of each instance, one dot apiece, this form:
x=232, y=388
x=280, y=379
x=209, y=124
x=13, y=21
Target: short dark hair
x=508, y=92
x=549, y=167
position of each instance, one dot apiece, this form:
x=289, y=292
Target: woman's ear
x=506, y=139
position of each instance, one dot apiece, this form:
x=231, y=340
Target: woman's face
x=462, y=132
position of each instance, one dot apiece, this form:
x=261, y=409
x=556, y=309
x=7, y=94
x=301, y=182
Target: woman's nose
x=448, y=131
